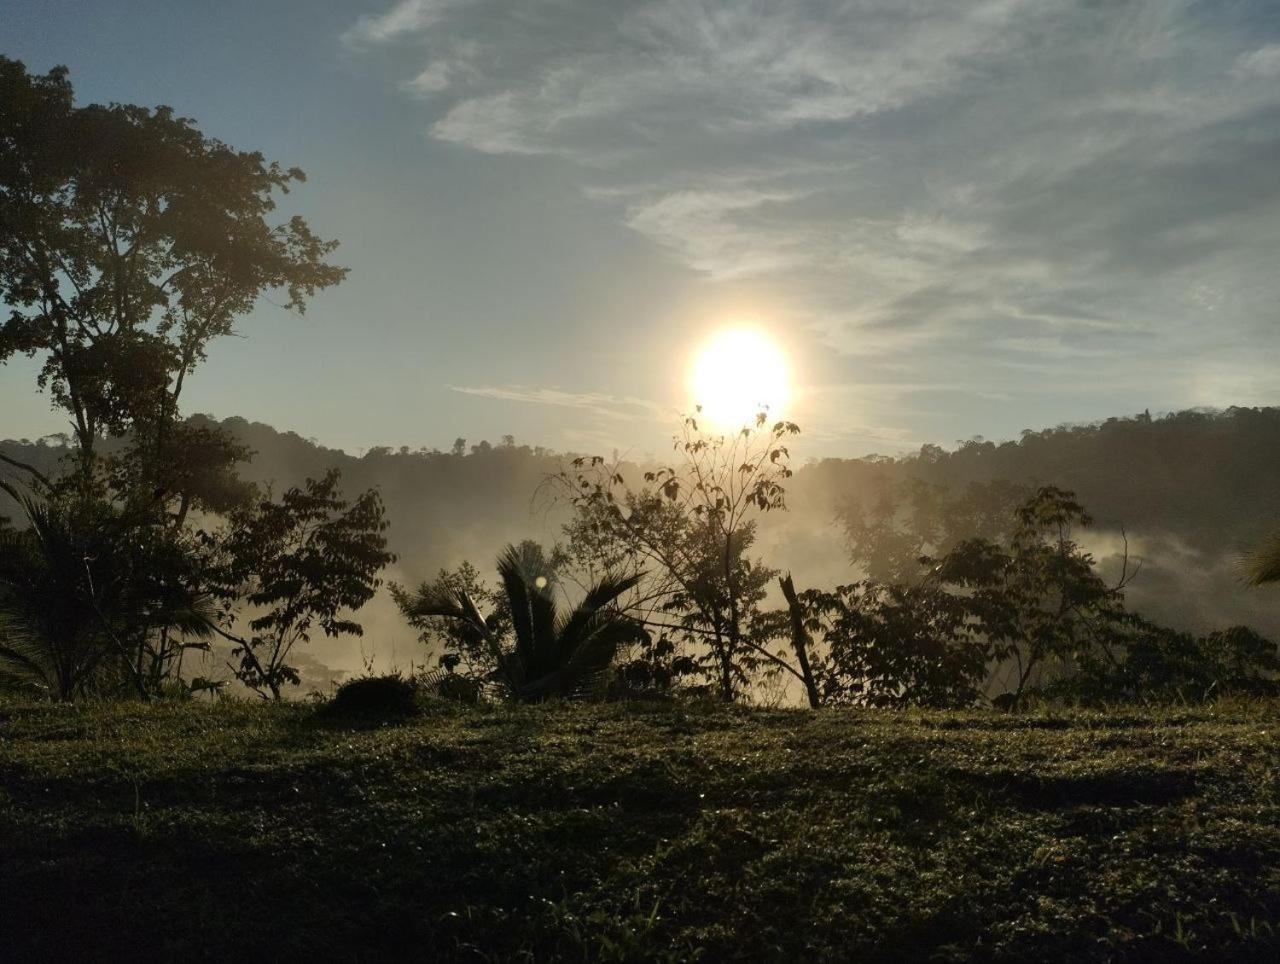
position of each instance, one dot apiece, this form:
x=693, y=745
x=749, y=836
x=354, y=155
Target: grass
x=638, y=832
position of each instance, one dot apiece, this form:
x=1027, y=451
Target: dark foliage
x=95, y=597
x=374, y=698
x=549, y=654
x=900, y=646
x=684, y=532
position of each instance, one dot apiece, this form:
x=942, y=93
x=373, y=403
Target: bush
x=375, y=698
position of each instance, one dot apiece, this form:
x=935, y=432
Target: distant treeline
x=1206, y=477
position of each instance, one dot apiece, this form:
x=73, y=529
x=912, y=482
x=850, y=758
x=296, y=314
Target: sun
x=736, y=374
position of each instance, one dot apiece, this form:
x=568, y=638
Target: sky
x=959, y=218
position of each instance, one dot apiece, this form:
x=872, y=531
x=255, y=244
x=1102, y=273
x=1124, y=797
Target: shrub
x=453, y=687
x=375, y=698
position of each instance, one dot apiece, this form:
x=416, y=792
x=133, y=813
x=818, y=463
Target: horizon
x=957, y=232
x=64, y=438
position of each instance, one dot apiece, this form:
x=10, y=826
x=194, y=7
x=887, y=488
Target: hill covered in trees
x=1191, y=491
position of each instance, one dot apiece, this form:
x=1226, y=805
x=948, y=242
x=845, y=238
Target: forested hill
x=1208, y=478
x=1192, y=490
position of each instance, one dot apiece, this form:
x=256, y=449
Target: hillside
x=637, y=832
x=1191, y=491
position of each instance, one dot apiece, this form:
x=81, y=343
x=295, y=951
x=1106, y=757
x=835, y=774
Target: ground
x=638, y=832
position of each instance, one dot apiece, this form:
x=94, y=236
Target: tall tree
x=129, y=241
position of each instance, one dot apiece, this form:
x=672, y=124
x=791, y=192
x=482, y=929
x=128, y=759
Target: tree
x=549, y=654
x=302, y=562
x=893, y=526
x=898, y=645
x=129, y=241
x=801, y=640
x=194, y=472
x=689, y=528
x=1042, y=596
x=1164, y=664
x=1033, y=601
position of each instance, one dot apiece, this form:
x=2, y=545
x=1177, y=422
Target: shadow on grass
x=1042, y=791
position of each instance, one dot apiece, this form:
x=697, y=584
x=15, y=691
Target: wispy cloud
x=403, y=19
x=609, y=406
x=1263, y=62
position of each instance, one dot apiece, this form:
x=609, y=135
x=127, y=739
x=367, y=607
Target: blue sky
x=960, y=218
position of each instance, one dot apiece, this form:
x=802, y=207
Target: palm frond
x=529, y=585
x=597, y=598
x=191, y=615
x=514, y=582
x=431, y=600
x=586, y=670
x=22, y=656
x=1264, y=564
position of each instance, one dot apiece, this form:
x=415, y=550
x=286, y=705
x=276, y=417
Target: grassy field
x=638, y=832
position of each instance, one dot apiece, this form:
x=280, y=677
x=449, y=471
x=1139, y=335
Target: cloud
x=404, y=19
x=432, y=79
x=1009, y=185
x=610, y=406
x=705, y=228
x=1263, y=62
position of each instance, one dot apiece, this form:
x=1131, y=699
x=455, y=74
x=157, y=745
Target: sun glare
x=736, y=374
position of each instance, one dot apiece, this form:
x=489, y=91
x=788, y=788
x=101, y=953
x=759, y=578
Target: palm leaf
x=587, y=668
x=458, y=604
x=595, y=654
x=437, y=601
x=23, y=658
x=189, y=614
x=597, y=598
x=1264, y=565
x=529, y=586
x=511, y=571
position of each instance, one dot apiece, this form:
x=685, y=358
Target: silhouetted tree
x=689, y=528
x=301, y=562
x=898, y=645
x=1163, y=664
x=463, y=648
x=129, y=241
x=1039, y=597
x=1033, y=600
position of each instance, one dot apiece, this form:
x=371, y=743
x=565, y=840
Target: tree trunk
x=725, y=658
x=800, y=640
